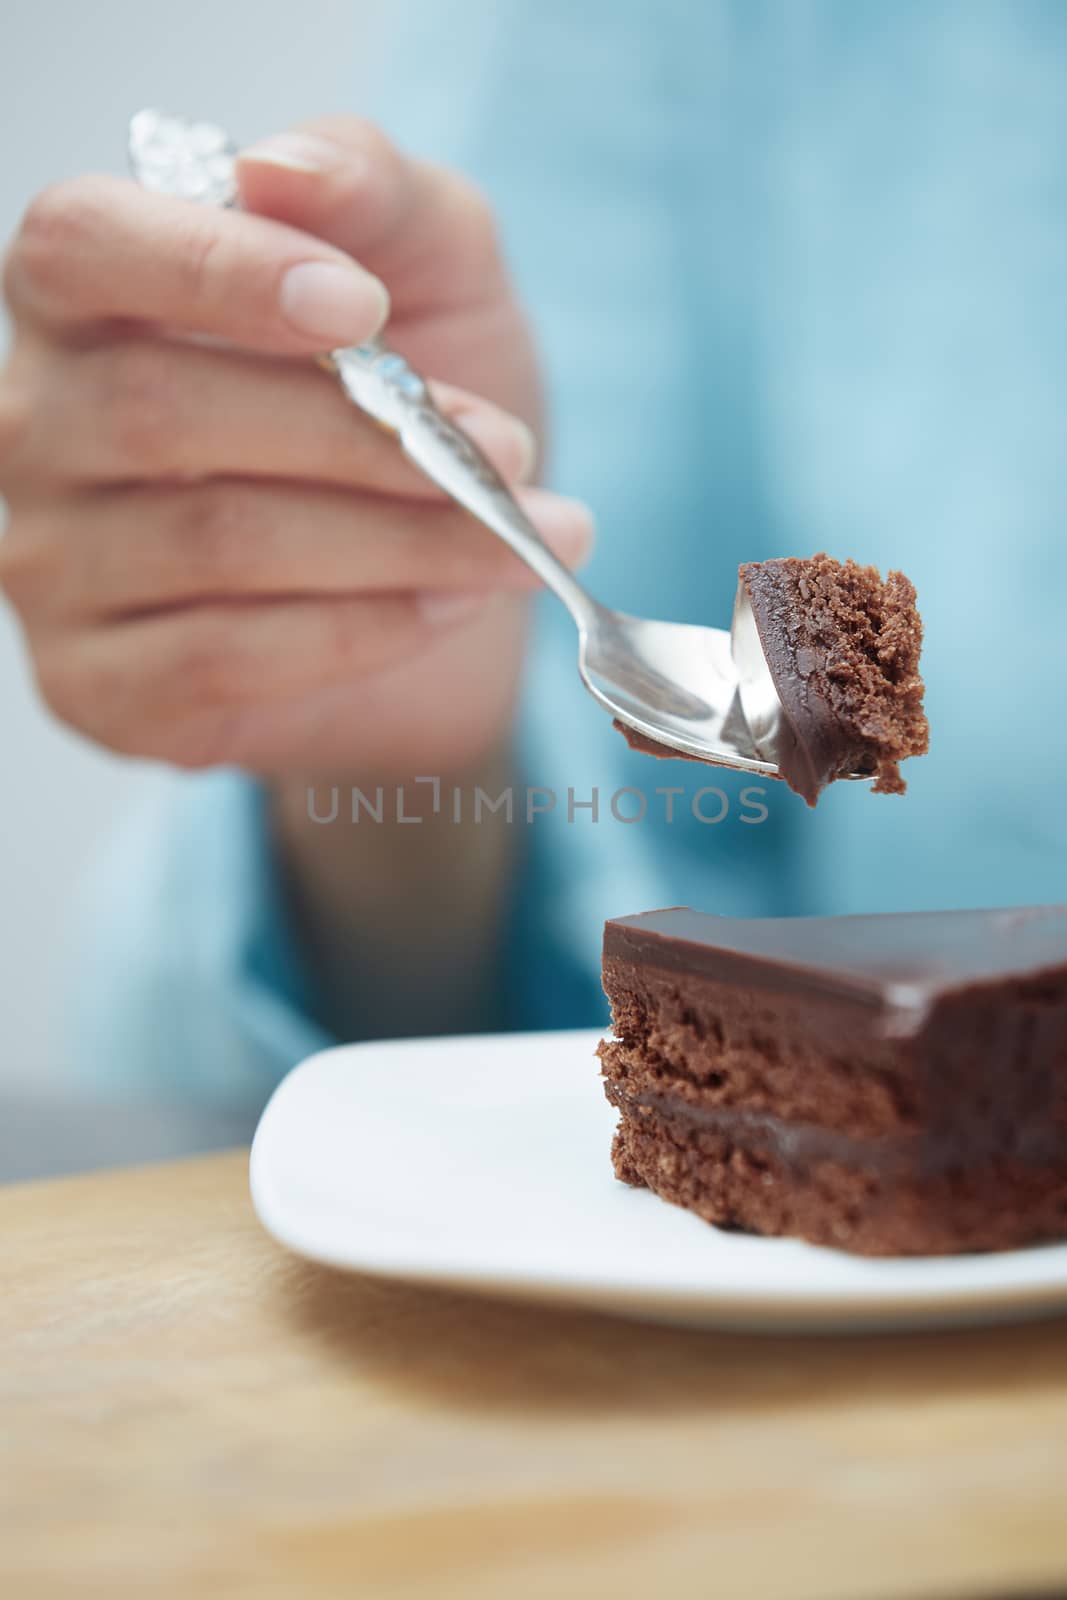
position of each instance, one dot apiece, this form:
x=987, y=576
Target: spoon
x=700, y=692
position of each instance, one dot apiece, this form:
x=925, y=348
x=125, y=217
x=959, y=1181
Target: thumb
x=426, y=231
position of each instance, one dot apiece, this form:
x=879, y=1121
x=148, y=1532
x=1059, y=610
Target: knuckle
x=356, y=635
x=472, y=224
x=16, y=415
x=11, y=272
x=473, y=204
x=217, y=523
x=140, y=405
x=20, y=566
x=207, y=666
x=124, y=712
x=199, y=742
x=54, y=226
x=69, y=688
x=10, y=568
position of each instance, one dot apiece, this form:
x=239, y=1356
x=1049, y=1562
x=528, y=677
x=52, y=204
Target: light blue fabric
x=798, y=269
x=188, y=984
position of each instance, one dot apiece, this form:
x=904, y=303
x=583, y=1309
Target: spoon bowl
x=672, y=682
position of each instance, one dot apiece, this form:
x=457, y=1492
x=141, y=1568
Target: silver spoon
x=703, y=692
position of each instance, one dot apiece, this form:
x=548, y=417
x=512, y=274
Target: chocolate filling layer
x=801, y=1146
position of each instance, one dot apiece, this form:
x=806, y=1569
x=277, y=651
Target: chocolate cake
x=883, y=1084
x=842, y=647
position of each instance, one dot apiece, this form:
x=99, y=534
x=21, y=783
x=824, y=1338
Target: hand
x=214, y=557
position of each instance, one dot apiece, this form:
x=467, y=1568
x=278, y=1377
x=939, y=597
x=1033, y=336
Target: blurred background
x=910, y=187
x=70, y=77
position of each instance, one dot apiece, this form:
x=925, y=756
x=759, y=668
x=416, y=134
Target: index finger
x=95, y=249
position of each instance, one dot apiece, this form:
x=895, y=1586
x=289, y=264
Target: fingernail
x=507, y=440
x=442, y=609
x=298, y=152
x=337, y=304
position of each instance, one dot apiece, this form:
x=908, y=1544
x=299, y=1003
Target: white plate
x=483, y=1163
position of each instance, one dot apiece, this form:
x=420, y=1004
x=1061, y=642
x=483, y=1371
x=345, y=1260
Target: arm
x=401, y=922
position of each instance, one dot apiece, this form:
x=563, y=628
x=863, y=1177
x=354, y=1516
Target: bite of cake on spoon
x=827, y=661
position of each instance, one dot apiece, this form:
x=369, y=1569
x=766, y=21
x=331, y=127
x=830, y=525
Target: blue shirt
x=798, y=272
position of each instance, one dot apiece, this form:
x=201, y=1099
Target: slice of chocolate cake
x=884, y=1084
x=842, y=648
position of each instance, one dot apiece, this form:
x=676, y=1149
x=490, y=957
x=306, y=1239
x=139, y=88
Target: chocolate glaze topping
x=898, y=960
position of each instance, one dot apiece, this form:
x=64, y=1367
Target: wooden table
x=187, y=1411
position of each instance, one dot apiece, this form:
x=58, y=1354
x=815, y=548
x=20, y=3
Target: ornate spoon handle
x=197, y=161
